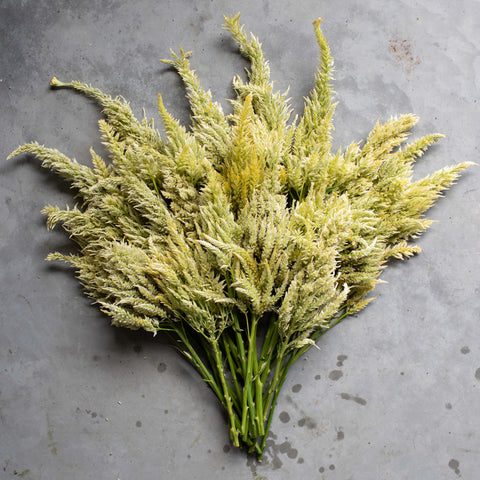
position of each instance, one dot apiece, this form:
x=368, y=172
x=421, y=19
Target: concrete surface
x=393, y=393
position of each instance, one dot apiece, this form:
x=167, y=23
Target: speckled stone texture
x=392, y=394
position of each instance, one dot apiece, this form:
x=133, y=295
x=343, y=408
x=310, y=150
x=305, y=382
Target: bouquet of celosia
x=246, y=237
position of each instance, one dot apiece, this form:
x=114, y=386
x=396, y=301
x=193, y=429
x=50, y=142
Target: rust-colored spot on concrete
x=402, y=52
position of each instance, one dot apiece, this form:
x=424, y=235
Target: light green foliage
x=246, y=237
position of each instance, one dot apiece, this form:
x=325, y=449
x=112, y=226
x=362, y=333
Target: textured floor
x=392, y=394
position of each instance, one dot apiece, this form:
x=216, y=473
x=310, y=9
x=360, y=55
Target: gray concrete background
x=392, y=394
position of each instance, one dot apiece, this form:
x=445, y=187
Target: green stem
x=257, y=394
x=192, y=355
x=279, y=376
x=226, y=393
x=240, y=345
x=227, y=344
x=259, y=404
x=268, y=350
x=248, y=407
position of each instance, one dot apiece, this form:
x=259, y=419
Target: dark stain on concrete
x=272, y=453
x=138, y=423
x=286, y=447
x=305, y=421
x=308, y=422
x=340, y=360
x=477, y=373
x=356, y=399
x=296, y=388
x=340, y=434
x=360, y=400
x=335, y=375
x=161, y=367
x=284, y=417
x=318, y=377
x=465, y=350
x=454, y=465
